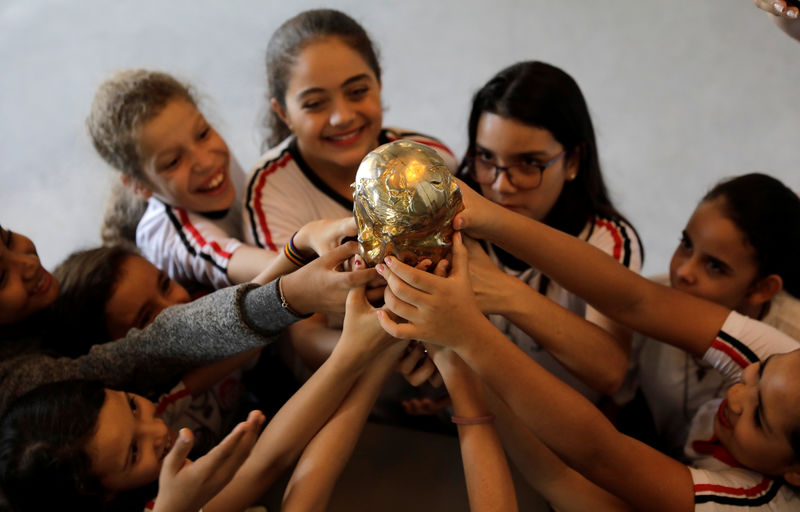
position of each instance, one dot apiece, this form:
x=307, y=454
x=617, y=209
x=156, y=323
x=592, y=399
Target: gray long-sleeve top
x=182, y=337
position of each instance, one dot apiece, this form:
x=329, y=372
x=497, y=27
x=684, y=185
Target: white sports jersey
x=615, y=238
x=192, y=248
x=283, y=193
x=675, y=384
x=720, y=482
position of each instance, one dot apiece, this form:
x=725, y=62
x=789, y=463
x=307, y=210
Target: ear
x=138, y=188
x=572, y=163
x=793, y=477
x=278, y=109
x=764, y=290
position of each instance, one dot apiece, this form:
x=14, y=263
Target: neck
x=757, y=311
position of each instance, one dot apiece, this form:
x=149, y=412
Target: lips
x=43, y=284
x=345, y=138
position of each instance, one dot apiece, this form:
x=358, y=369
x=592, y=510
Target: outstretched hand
x=438, y=309
x=185, y=486
x=780, y=8
x=489, y=284
x=324, y=235
x=362, y=333
x=321, y=286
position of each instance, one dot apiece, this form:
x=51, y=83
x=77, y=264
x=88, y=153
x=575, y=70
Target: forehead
x=502, y=135
x=780, y=392
x=108, y=446
x=326, y=63
x=173, y=121
x=710, y=227
x=136, y=279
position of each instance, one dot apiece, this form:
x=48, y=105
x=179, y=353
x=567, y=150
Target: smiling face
x=25, y=286
x=714, y=261
x=505, y=142
x=140, y=294
x=759, y=413
x=185, y=162
x=333, y=106
x=129, y=443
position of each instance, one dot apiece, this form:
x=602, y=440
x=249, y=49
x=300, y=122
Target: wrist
x=292, y=297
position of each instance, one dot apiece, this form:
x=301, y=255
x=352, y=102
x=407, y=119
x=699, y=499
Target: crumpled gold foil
x=404, y=201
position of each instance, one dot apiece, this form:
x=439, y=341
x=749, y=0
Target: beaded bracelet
x=293, y=254
x=472, y=421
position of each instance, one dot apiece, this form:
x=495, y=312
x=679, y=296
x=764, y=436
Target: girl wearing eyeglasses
x=532, y=149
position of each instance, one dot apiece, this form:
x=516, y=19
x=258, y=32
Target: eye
x=685, y=242
x=164, y=282
x=484, y=156
x=171, y=164
x=715, y=266
x=132, y=404
x=204, y=134
x=757, y=416
x=529, y=164
x=313, y=105
x=358, y=93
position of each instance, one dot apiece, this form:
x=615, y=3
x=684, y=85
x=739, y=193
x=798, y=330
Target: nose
x=502, y=184
x=155, y=430
x=342, y=113
x=685, y=271
x=202, y=161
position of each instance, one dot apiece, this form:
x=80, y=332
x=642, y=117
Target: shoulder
x=784, y=314
x=615, y=237
x=274, y=158
x=740, y=489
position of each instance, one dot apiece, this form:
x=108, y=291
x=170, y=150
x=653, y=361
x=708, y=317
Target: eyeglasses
x=523, y=175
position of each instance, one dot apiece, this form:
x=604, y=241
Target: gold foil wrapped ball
x=404, y=202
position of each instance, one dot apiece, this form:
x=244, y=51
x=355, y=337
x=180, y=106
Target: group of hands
x=388, y=304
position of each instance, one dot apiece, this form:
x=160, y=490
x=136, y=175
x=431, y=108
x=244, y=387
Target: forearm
x=247, y=262
x=327, y=454
x=565, y=489
x=488, y=478
x=289, y=431
x=622, y=295
x=588, y=351
x=573, y=428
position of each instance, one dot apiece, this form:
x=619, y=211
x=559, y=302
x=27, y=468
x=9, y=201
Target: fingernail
x=357, y=262
x=792, y=14
x=183, y=435
x=777, y=6
x=380, y=268
x=389, y=260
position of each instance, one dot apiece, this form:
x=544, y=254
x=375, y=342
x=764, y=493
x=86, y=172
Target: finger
x=460, y=257
x=338, y=255
x=409, y=361
x=399, y=287
x=362, y=277
x=416, y=278
x=436, y=379
x=423, y=373
x=401, y=331
x=441, y=268
x=398, y=306
x=356, y=298
x=176, y=457
x=423, y=265
x=348, y=227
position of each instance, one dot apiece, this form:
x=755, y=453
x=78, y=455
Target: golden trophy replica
x=404, y=201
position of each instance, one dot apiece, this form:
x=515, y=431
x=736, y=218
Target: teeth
x=215, y=182
x=344, y=136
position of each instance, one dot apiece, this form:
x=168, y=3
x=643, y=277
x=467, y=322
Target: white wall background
x=682, y=93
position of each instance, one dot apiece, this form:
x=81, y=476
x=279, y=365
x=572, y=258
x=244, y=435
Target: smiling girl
x=324, y=84
x=147, y=125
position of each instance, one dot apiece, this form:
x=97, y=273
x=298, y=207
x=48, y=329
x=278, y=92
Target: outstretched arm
x=327, y=454
x=590, y=352
x=306, y=412
x=489, y=483
x=675, y=317
x=565, y=489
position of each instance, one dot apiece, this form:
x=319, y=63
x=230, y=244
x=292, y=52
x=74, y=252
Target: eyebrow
x=347, y=82
x=761, y=411
x=536, y=154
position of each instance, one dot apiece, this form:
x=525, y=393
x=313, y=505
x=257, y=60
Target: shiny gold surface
x=404, y=202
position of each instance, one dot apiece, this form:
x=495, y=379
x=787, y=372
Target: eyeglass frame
x=496, y=169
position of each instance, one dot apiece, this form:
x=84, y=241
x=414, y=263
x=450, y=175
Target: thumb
x=176, y=458
x=356, y=297
x=460, y=256
x=339, y=254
